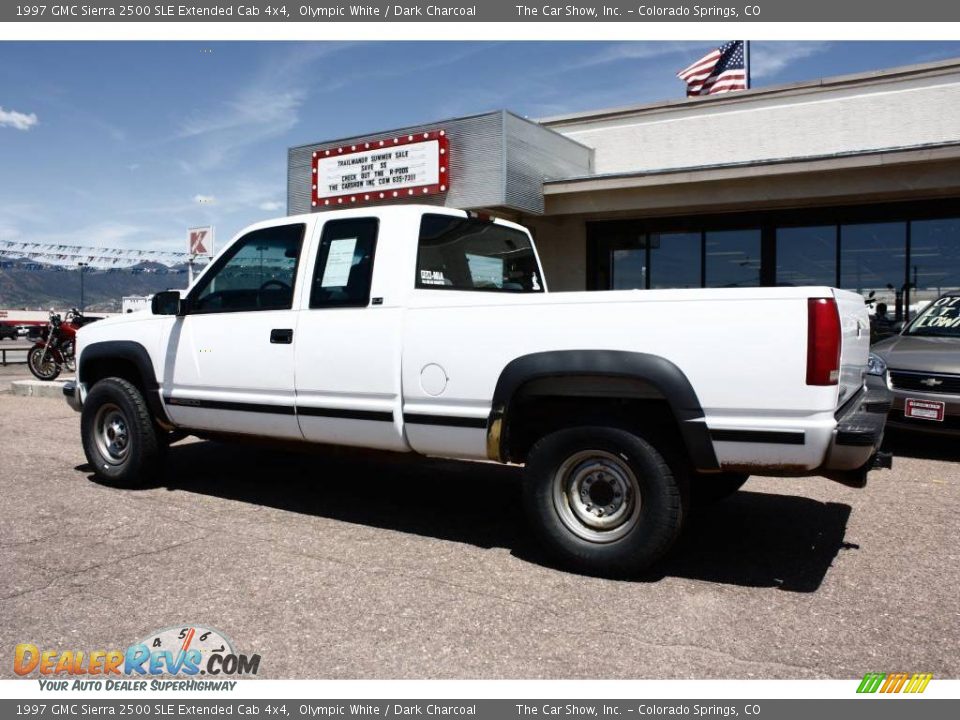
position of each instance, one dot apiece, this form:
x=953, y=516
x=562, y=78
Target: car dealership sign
x=200, y=241
x=403, y=166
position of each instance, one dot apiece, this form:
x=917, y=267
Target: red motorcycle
x=55, y=349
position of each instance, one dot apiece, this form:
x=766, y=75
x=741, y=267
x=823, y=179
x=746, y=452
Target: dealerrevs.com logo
x=887, y=683
x=184, y=651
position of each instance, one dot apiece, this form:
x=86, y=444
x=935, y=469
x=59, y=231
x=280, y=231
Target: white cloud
x=17, y=120
x=619, y=52
x=400, y=69
x=769, y=58
x=545, y=91
x=271, y=205
x=267, y=107
x=104, y=234
x=204, y=199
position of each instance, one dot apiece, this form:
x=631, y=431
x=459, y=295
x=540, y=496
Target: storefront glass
x=934, y=259
x=872, y=260
x=628, y=269
x=733, y=258
x=674, y=260
x=902, y=255
x=807, y=256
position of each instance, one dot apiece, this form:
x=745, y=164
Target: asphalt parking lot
x=334, y=566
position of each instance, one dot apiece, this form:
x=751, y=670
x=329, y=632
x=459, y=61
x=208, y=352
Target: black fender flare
x=132, y=352
x=655, y=370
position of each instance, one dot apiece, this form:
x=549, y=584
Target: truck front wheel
x=119, y=437
x=603, y=500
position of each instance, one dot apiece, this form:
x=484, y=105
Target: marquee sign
x=403, y=166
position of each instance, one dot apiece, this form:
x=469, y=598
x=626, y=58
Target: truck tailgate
x=855, y=345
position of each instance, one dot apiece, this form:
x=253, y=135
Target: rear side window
x=345, y=263
x=458, y=253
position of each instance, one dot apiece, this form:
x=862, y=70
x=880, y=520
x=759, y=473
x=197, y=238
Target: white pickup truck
x=430, y=330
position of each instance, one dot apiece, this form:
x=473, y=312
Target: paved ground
x=356, y=567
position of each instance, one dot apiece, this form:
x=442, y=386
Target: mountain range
x=31, y=285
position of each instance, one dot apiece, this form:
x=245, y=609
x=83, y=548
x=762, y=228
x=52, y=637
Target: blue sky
x=128, y=144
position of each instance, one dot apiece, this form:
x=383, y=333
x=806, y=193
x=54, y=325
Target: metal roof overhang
x=884, y=173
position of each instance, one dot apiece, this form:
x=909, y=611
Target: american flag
x=719, y=71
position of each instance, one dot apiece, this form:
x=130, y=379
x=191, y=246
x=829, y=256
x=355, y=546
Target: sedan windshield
x=940, y=318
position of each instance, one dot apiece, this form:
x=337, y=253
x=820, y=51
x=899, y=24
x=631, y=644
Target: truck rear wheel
x=119, y=436
x=603, y=500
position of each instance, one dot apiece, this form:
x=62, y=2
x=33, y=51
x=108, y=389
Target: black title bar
x=484, y=11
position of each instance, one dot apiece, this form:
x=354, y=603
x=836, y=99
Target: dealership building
x=851, y=181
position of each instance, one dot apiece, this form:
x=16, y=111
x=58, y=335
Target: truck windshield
x=457, y=253
x=940, y=318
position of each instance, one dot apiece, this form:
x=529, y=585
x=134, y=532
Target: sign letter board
x=405, y=166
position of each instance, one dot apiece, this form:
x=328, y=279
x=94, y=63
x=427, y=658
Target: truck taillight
x=823, y=341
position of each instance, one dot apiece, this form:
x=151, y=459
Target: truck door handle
x=281, y=336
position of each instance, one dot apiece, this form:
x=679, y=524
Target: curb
x=38, y=388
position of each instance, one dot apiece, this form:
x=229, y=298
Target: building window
x=873, y=261
x=732, y=258
x=899, y=254
x=628, y=269
x=674, y=260
x=807, y=256
x=934, y=258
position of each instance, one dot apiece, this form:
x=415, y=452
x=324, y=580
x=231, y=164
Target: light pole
x=81, y=265
x=261, y=249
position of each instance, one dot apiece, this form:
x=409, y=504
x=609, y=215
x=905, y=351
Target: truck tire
x=707, y=489
x=119, y=436
x=602, y=500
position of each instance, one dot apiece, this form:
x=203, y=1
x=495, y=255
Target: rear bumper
x=854, y=449
x=74, y=393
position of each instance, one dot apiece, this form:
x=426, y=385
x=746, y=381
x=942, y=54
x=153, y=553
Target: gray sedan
x=924, y=364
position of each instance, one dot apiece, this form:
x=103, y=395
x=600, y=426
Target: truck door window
x=345, y=263
x=457, y=253
x=257, y=272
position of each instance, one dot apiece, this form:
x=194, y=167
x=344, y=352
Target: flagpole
x=746, y=61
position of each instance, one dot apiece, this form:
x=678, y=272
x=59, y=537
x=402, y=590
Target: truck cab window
x=257, y=272
x=457, y=253
x=345, y=263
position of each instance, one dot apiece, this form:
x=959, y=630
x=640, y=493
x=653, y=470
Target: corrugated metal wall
x=535, y=154
x=497, y=160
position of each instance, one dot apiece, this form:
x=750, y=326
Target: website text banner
x=308, y=709
x=484, y=11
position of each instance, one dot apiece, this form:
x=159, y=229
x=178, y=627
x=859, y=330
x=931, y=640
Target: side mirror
x=166, y=303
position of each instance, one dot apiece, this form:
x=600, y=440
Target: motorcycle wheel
x=43, y=368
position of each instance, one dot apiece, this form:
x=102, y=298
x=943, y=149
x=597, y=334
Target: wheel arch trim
x=655, y=370
x=137, y=355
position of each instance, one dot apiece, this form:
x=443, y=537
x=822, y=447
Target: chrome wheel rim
x=44, y=364
x=597, y=496
x=112, y=434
